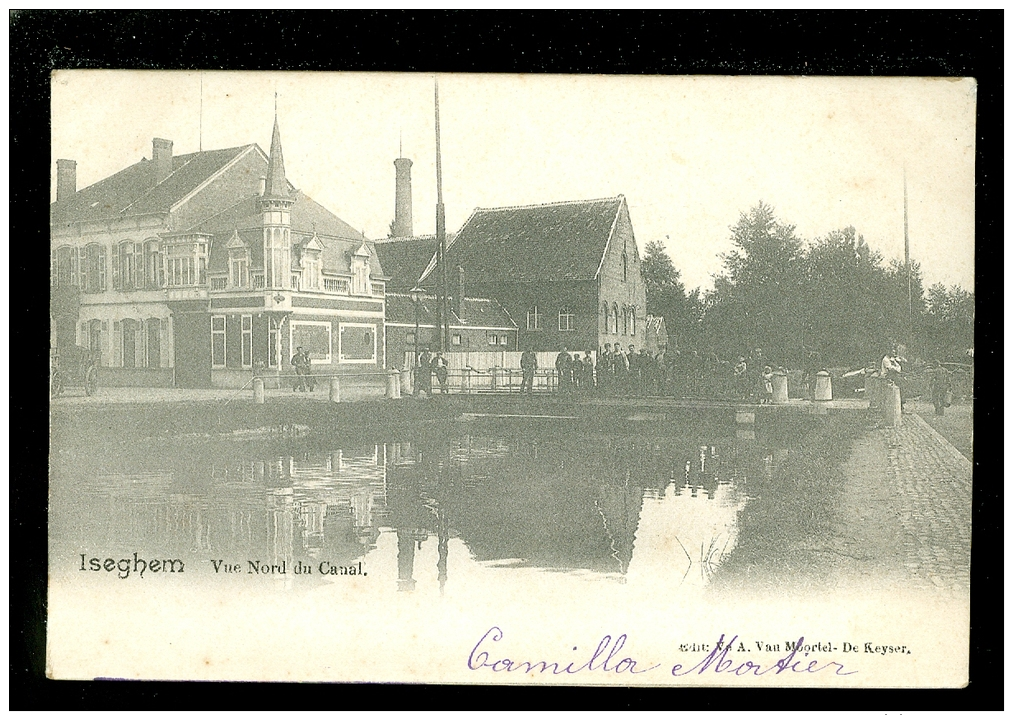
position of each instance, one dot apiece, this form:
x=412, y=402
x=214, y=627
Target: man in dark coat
x=529, y=363
x=424, y=375
x=301, y=363
x=563, y=374
x=941, y=395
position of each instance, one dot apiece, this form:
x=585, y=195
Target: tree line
x=832, y=300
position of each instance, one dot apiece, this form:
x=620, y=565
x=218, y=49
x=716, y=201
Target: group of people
x=641, y=372
x=893, y=367
x=427, y=366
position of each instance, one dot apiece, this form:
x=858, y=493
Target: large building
x=568, y=273
x=194, y=270
x=481, y=332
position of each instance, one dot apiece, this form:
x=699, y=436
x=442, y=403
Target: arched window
x=626, y=319
x=633, y=320
x=534, y=318
x=605, y=312
x=154, y=342
x=66, y=273
x=129, y=337
x=567, y=320
x=95, y=339
x=152, y=265
x=625, y=266
x=615, y=319
x=127, y=267
x=94, y=268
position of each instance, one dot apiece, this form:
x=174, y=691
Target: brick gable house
x=567, y=273
x=191, y=270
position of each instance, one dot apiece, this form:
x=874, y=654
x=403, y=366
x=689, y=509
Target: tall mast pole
x=907, y=261
x=441, y=230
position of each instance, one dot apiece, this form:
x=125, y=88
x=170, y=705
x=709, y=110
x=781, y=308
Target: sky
x=688, y=153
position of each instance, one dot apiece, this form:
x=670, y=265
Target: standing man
x=424, y=373
x=440, y=365
x=604, y=368
x=562, y=373
x=301, y=362
x=941, y=395
x=890, y=368
x=529, y=363
x=621, y=368
x=588, y=372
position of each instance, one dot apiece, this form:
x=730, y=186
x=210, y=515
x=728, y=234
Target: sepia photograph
x=511, y=378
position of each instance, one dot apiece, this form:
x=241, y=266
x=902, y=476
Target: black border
x=755, y=42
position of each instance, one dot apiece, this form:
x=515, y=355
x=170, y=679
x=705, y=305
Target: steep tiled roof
x=405, y=259
x=133, y=190
x=478, y=312
x=546, y=242
x=338, y=238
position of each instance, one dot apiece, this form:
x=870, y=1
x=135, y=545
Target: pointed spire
x=276, y=183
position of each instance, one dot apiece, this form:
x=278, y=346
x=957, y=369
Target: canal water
x=461, y=504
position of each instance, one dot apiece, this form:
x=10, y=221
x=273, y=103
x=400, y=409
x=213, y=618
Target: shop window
x=357, y=343
x=315, y=336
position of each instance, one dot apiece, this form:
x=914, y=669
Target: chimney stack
x=403, y=198
x=66, y=178
x=161, y=156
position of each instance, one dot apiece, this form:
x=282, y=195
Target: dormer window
x=311, y=264
x=239, y=262
x=360, y=271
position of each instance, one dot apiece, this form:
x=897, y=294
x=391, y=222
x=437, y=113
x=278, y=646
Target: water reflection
x=647, y=509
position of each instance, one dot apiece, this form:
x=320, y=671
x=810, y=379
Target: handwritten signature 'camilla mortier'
x=606, y=660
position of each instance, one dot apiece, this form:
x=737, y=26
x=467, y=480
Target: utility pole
x=441, y=231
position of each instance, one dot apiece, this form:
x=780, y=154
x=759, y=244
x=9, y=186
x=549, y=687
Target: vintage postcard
x=629, y=381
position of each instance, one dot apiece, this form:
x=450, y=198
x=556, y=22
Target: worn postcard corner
x=511, y=379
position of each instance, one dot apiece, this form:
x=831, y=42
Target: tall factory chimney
x=66, y=178
x=403, y=198
x=161, y=157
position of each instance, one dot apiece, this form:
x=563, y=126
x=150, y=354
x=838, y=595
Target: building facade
x=567, y=273
x=197, y=270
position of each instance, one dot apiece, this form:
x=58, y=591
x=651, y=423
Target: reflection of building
x=192, y=269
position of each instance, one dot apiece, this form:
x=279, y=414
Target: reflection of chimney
x=405, y=560
x=458, y=306
x=161, y=155
x=403, y=198
x=66, y=178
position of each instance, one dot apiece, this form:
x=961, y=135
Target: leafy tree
x=757, y=301
x=948, y=323
x=666, y=293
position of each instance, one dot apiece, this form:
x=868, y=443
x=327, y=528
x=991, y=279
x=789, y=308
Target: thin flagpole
x=441, y=229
